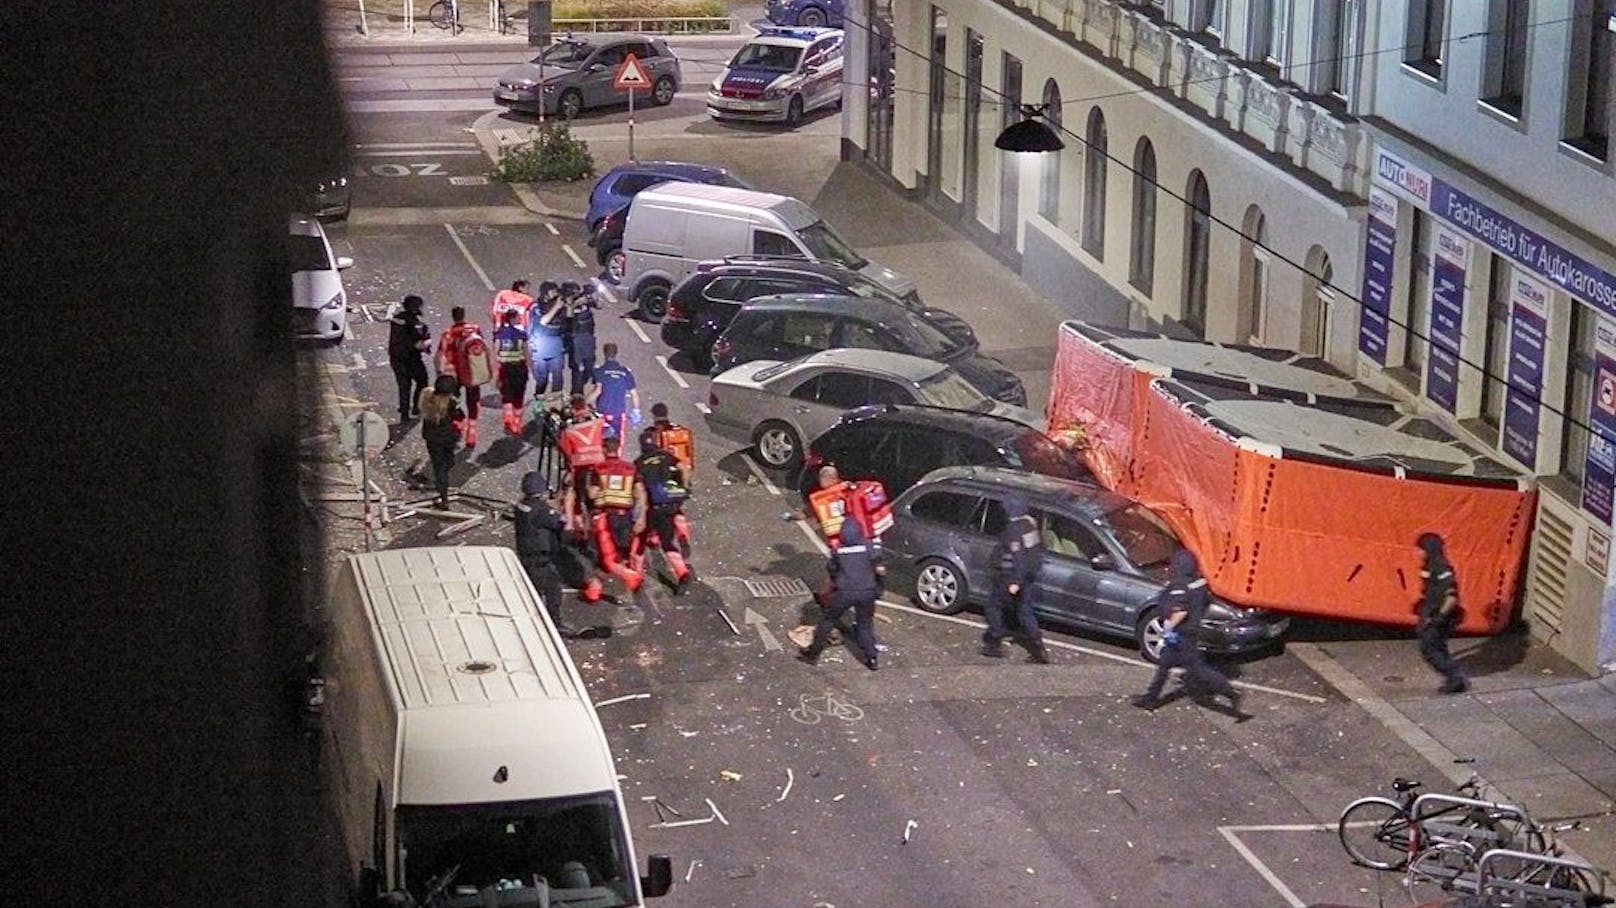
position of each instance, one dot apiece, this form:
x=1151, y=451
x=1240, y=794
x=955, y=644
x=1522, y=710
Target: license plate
x=506, y=95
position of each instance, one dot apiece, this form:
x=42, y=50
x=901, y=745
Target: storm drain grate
x=512, y=136
x=776, y=586
x=468, y=181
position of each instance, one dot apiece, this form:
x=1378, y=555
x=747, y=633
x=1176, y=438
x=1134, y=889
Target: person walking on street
x=510, y=349
x=538, y=543
x=581, y=306
x=464, y=354
x=855, y=568
x=1183, y=604
x=615, y=498
x=1439, y=614
x=1015, y=561
x=408, y=339
x=675, y=439
x=546, y=345
x=614, y=394
x=662, y=523
x=441, y=426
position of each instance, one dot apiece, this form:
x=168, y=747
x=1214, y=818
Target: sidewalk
x=346, y=29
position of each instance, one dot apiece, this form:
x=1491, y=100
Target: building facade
x=1318, y=175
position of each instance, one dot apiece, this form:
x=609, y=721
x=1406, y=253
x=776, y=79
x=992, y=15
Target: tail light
x=675, y=311
x=812, y=460
x=607, y=222
x=712, y=400
x=722, y=348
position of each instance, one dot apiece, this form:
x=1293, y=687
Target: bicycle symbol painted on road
x=476, y=230
x=811, y=709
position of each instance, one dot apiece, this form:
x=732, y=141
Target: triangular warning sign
x=631, y=75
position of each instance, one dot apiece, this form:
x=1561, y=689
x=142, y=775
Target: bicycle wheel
x=1437, y=871
x=441, y=14
x=1376, y=833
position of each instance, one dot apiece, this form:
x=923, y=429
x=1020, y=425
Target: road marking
x=705, y=410
x=761, y=624
x=423, y=106
x=427, y=152
x=605, y=291
x=813, y=536
x=623, y=699
x=634, y=325
x=761, y=476
x=573, y=255
x=663, y=362
x=469, y=260
x=416, y=145
x=1256, y=864
x=552, y=228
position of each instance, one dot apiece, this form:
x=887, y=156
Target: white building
x=1246, y=143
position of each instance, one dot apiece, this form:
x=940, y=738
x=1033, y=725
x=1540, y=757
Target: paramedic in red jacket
x=464, y=353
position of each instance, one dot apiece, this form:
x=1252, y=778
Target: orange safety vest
x=614, y=483
x=865, y=501
x=509, y=301
x=677, y=440
x=584, y=443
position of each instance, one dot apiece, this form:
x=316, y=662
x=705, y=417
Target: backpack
x=471, y=353
x=663, y=485
x=677, y=440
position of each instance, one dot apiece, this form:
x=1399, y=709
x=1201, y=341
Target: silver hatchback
x=574, y=74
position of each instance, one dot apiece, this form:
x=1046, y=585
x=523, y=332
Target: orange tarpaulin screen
x=1292, y=535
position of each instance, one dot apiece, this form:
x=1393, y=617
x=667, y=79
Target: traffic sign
x=631, y=75
x=362, y=434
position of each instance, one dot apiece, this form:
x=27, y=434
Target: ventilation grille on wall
x=1546, y=582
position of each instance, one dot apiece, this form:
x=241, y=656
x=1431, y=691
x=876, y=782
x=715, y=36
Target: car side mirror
x=810, y=70
x=596, y=67
x=1102, y=561
x=658, y=878
x=344, y=261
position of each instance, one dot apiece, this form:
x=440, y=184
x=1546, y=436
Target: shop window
x=1419, y=297
x=1578, y=393
x=1496, y=356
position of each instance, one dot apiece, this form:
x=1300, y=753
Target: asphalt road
x=1013, y=783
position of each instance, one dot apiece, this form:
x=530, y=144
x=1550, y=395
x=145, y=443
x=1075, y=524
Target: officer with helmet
x=855, y=567
x=581, y=306
x=538, y=541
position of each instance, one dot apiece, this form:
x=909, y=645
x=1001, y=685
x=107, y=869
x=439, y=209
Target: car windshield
x=577, y=845
x=870, y=290
x=825, y=244
x=1143, y=535
x=1034, y=451
x=565, y=53
x=306, y=253
x=772, y=57
x=920, y=338
x=948, y=389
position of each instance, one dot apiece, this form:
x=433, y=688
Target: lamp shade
x=1029, y=135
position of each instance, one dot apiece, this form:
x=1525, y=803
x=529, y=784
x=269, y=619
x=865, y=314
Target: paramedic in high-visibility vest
x=675, y=439
x=514, y=300
x=616, y=496
x=662, y=523
x=510, y=350
x=583, y=444
x=834, y=500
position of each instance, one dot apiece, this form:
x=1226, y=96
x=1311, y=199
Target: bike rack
x=1447, y=830
x=1489, y=883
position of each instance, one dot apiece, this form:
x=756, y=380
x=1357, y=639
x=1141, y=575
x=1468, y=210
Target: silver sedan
x=778, y=408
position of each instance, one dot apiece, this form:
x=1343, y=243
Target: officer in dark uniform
x=1183, y=604
x=855, y=568
x=581, y=306
x=1015, y=565
x=1439, y=614
x=538, y=542
x=408, y=339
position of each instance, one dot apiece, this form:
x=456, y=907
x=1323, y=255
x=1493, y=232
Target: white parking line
x=663, y=362
x=762, y=477
x=552, y=228
x=634, y=325
x=415, y=153
x=813, y=536
x=469, y=260
x=573, y=255
x=603, y=290
x=705, y=410
x=1257, y=864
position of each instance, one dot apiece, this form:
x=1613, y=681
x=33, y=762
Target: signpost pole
x=631, y=124
x=364, y=484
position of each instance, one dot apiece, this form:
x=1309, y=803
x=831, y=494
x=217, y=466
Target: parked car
x=775, y=407
x=705, y=302
x=898, y=445
x=805, y=12
x=319, y=303
x=1104, y=564
x=779, y=76
x=579, y=73
x=618, y=186
x=331, y=200
x=796, y=324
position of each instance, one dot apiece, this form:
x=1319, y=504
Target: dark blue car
x=622, y=183
x=805, y=12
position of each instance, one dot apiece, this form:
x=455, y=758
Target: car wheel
x=811, y=18
x=1149, y=635
x=939, y=587
x=662, y=92
x=653, y=301
x=794, y=111
x=778, y=446
x=570, y=104
x=616, y=264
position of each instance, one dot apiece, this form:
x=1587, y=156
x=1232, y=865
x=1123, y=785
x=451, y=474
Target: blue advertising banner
x=1528, y=330
x=1447, y=318
x=1380, y=250
x=1599, y=473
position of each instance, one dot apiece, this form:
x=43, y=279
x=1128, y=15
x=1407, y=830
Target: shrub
x=553, y=154
x=637, y=9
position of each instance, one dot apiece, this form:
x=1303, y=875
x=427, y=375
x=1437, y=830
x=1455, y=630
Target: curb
x=529, y=199
x=338, y=37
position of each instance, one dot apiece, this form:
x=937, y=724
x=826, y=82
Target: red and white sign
x=631, y=75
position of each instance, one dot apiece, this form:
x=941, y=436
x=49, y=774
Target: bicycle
x=1379, y=833
x=445, y=14
x=1514, y=858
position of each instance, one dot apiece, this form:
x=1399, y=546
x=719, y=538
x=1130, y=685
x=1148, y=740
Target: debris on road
x=791, y=778
x=623, y=699
x=729, y=775
x=908, y=827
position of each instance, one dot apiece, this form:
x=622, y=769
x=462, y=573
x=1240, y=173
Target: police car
x=780, y=75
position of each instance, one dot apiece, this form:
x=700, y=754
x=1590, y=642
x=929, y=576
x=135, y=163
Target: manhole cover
x=468, y=181
x=776, y=586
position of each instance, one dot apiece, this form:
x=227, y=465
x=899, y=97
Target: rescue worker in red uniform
x=510, y=349
x=582, y=443
x=515, y=300
x=616, y=496
x=663, y=478
x=834, y=500
x=463, y=353
x=681, y=443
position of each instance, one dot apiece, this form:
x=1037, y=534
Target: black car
x=898, y=445
x=704, y=302
x=797, y=324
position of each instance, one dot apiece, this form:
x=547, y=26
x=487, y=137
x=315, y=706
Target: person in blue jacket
x=855, y=568
x=546, y=338
x=1016, y=557
x=581, y=306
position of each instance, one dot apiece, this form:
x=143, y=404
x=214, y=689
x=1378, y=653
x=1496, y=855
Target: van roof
x=713, y=197
x=481, y=678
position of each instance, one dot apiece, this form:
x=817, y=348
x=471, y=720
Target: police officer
x=546, y=344
x=538, y=542
x=661, y=524
x=1183, y=604
x=408, y=339
x=581, y=306
x=1015, y=562
x=855, y=568
x=1439, y=614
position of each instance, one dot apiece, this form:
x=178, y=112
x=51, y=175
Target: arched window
x=1094, y=161
x=1197, y=252
x=1142, y=249
x=1255, y=265
x=1049, y=190
x=1317, y=300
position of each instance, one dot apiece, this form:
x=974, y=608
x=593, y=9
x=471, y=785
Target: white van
x=673, y=226
x=462, y=750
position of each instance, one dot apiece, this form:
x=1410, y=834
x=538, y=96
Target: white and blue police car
x=780, y=75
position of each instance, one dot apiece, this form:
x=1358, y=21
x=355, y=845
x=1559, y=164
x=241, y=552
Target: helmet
x=535, y=486
x=648, y=440
x=571, y=288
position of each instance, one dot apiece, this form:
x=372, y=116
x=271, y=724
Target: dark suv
x=898, y=445
x=1103, y=568
x=703, y=304
x=797, y=324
